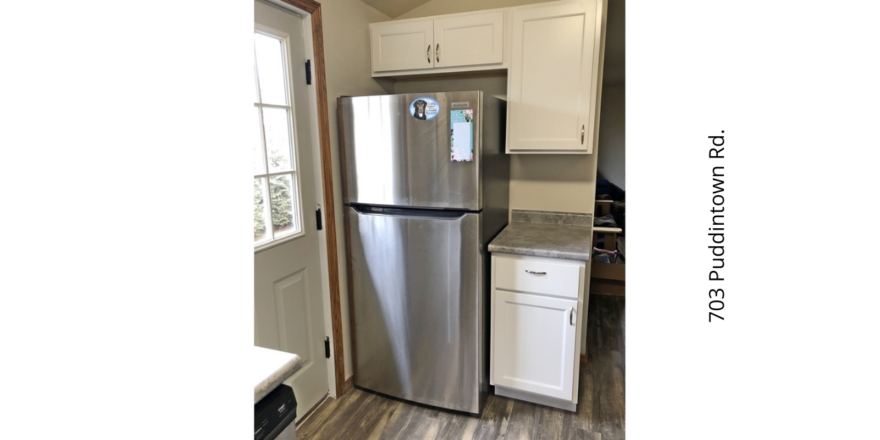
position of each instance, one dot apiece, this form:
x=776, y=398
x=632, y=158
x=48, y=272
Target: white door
x=402, y=46
x=288, y=308
x=469, y=40
x=535, y=346
x=552, y=80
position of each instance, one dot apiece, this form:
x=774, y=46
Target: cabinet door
x=402, y=46
x=535, y=343
x=553, y=78
x=470, y=40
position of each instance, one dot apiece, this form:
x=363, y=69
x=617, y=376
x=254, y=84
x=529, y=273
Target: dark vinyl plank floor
x=600, y=412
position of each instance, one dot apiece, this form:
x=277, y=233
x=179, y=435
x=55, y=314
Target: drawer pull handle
x=571, y=316
x=536, y=273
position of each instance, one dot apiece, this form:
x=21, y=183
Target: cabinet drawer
x=537, y=276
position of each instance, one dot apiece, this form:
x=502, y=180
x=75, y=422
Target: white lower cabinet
x=536, y=328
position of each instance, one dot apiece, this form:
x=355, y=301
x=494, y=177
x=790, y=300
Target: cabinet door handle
x=582, y=134
x=571, y=316
x=429, y=56
x=437, y=52
x=536, y=273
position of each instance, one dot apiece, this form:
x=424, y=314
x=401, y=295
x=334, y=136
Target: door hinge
x=327, y=347
x=318, y=219
x=309, y=72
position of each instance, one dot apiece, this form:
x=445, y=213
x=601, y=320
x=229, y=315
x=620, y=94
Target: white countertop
x=270, y=368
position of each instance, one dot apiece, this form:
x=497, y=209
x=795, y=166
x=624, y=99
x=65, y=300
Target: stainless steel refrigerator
x=425, y=183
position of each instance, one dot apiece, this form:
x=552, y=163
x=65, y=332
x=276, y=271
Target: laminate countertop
x=270, y=368
x=546, y=234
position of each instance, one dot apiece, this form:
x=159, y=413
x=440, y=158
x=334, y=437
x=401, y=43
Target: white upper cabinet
x=402, y=46
x=469, y=40
x=448, y=43
x=554, y=77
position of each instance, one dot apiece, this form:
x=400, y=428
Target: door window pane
x=270, y=69
x=259, y=161
x=261, y=210
x=276, y=200
x=281, y=189
x=277, y=128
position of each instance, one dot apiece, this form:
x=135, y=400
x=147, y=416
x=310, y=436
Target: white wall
x=347, y=60
x=495, y=85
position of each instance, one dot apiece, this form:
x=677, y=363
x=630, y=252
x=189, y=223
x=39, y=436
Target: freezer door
x=416, y=300
x=393, y=158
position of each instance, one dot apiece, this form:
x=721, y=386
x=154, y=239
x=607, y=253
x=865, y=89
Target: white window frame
x=294, y=142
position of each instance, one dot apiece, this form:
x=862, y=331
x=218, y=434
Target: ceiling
x=395, y=8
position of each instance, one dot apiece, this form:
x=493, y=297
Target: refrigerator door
x=393, y=158
x=416, y=301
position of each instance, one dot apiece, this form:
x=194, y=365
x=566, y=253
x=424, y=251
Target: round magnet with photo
x=424, y=109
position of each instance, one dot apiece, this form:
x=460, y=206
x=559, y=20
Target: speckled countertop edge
x=547, y=234
x=272, y=367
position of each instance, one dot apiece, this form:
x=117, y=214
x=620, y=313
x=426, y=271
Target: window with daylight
x=276, y=193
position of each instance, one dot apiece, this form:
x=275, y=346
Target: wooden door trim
x=314, y=10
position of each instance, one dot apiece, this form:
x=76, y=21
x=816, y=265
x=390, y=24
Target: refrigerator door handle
x=407, y=212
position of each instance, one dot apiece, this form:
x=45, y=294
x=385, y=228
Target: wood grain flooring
x=600, y=416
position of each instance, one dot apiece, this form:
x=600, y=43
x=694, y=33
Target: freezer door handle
x=406, y=212
x=571, y=316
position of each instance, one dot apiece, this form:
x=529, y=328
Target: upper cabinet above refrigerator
x=402, y=46
x=469, y=40
x=449, y=43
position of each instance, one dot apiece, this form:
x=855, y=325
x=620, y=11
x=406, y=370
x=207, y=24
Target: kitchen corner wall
x=347, y=61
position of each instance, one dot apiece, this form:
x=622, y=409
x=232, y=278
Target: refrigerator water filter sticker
x=461, y=135
x=424, y=109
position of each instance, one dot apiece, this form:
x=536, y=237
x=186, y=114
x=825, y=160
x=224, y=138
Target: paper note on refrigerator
x=461, y=123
